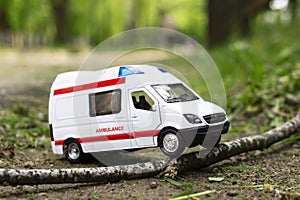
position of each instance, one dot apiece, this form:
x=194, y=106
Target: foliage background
x=90, y=22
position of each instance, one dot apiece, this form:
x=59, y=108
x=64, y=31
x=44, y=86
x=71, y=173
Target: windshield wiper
x=178, y=99
x=175, y=99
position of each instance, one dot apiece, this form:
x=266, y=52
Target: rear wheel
x=73, y=151
x=171, y=143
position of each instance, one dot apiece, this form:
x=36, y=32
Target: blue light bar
x=162, y=70
x=126, y=71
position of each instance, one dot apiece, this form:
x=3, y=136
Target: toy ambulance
x=129, y=107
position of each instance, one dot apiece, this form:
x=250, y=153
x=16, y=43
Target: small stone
x=232, y=193
x=153, y=185
x=9, y=151
x=234, y=182
x=28, y=164
x=269, y=189
x=43, y=194
x=41, y=116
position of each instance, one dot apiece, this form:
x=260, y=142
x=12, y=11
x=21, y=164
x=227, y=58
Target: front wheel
x=171, y=143
x=73, y=151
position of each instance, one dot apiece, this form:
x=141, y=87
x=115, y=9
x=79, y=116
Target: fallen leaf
x=215, y=179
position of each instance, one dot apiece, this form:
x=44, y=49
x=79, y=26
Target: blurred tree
x=229, y=15
x=187, y=16
x=30, y=17
x=190, y=17
x=293, y=8
x=143, y=13
x=95, y=20
x=59, y=10
x=107, y=17
x=25, y=22
x=4, y=21
x=77, y=21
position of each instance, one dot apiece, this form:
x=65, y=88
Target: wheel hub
x=73, y=151
x=170, y=142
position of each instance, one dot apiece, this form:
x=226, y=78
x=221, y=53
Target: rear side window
x=71, y=107
x=105, y=103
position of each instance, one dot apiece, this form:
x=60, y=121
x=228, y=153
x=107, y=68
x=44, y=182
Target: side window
x=105, y=103
x=141, y=100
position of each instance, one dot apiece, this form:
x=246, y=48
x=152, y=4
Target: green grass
x=23, y=127
x=262, y=76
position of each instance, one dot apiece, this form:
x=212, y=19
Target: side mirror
x=154, y=108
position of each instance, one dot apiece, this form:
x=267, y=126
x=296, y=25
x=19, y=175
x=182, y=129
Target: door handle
x=134, y=116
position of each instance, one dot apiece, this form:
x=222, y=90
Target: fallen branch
x=148, y=169
x=242, y=145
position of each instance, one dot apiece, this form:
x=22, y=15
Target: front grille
x=215, y=118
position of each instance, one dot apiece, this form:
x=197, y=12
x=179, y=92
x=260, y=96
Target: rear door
x=144, y=117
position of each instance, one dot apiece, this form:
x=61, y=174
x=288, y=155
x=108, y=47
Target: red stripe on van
x=105, y=138
x=145, y=134
x=122, y=136
x=88, y=86
x=59, y=142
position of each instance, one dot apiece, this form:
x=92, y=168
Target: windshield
x=174, y=92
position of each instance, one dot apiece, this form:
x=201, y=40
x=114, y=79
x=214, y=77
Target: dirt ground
x=265, y=174
x=268, y=174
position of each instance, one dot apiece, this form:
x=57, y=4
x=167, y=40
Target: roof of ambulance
x=135, y=74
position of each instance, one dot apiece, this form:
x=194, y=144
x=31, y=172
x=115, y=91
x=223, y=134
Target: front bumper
x=208, y=135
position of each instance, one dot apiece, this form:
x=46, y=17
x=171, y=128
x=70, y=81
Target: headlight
x=193, y=119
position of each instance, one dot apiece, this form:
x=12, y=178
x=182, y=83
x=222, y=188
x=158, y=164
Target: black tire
x=73, y=151
x=171, y=143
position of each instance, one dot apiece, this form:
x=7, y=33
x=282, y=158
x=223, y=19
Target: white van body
x=129, y=107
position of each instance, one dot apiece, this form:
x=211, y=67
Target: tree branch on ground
x=163, y=167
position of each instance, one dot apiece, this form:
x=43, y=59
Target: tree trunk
x=59, y=10
x=6, y=34
x=225, y=17
x=293, y=9
x=220, y=20
x=142, y=170
x=4, y=22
